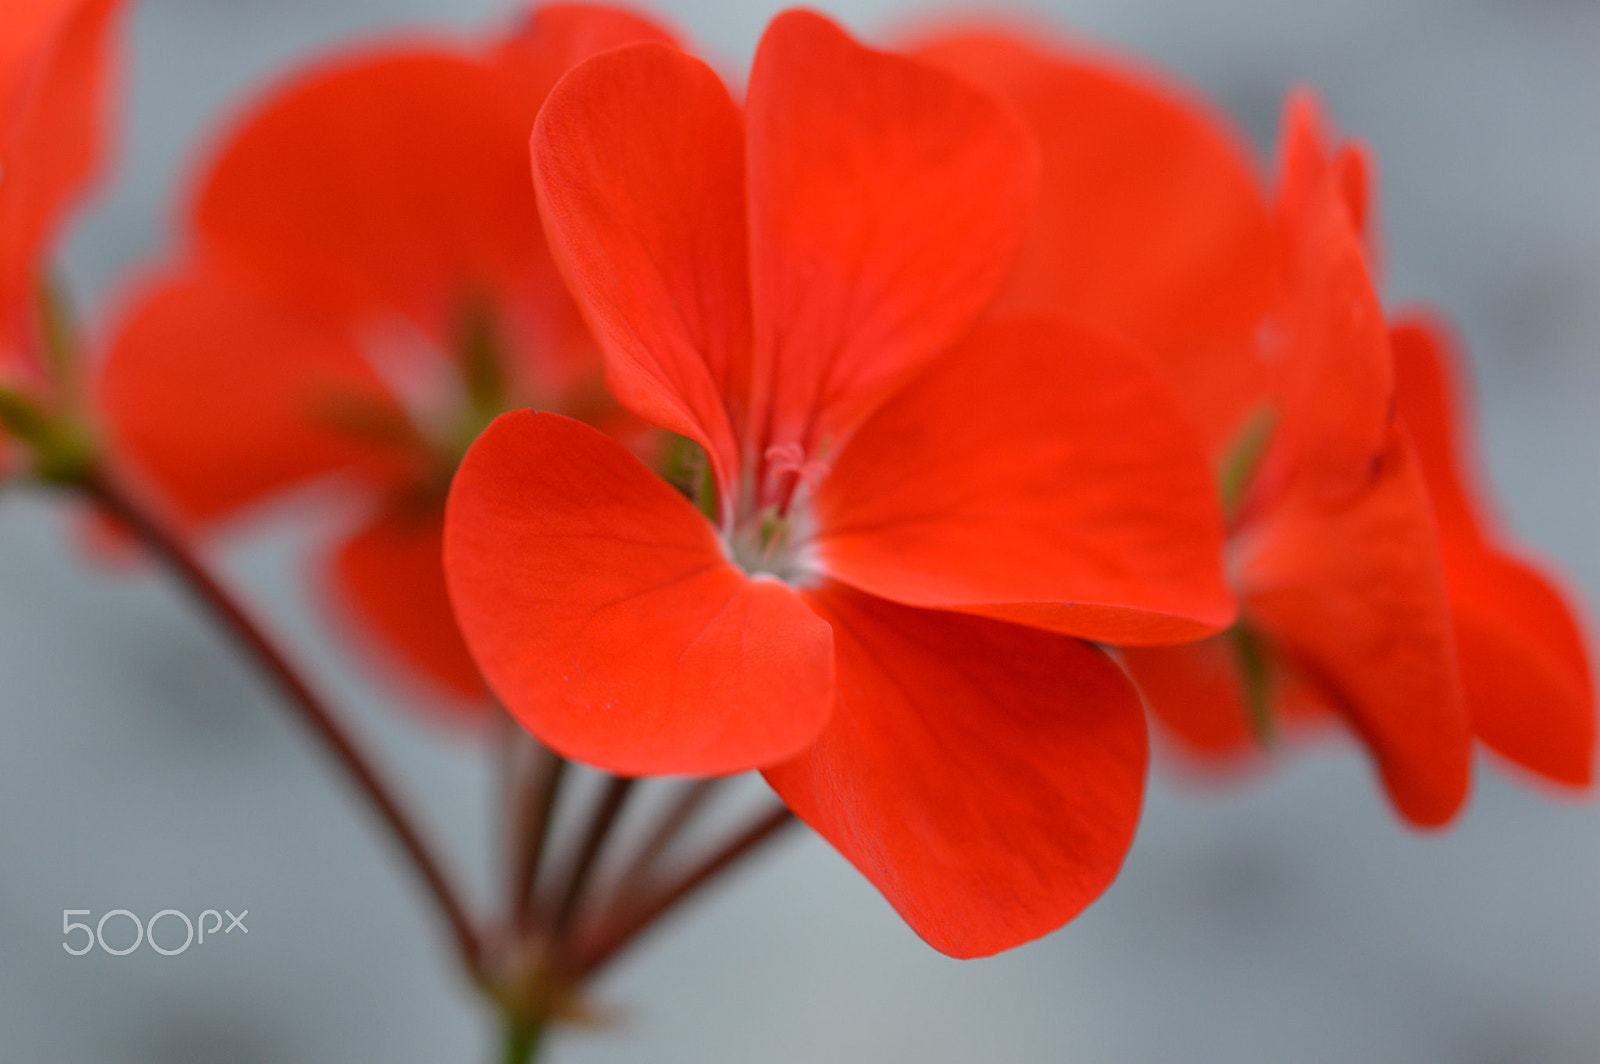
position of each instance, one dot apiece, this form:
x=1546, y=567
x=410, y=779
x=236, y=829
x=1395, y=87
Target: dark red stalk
x=533, y=807
x=691, y=799
x=310, y=707
x=612, y=800
x=622, y=929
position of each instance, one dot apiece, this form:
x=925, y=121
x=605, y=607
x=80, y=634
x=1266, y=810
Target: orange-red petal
x=1353, y=590
x=54, y=65
x=1523, y=666
x=1196, y=692
x=550, y=39
x=986, y=777
x=1310, y=155
x=1041, y=473
x=1523, y=659
x=887, y=203
x=547, y=41
x=638, y=156
x=1429, y=396
x=603, y=612
x=1150, y=218
x=391, y=577
x=387, y=185
x=1304, y=159
x=223, y=395
x=1339, y=372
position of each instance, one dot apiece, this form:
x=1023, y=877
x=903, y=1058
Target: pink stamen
x=785, y=457
x=790, y=457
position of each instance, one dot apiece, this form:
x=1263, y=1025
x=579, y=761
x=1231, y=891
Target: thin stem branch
x=691, y=799
x=534, y=809
x=512, y=746
x=610, y=807
x=313, y=711
x=629, y=925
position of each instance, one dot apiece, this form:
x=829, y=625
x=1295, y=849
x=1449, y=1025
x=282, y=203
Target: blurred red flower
x=1366, y=588
x=365, y=285
x=875, y=600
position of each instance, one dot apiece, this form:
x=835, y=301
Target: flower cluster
x=906, y=429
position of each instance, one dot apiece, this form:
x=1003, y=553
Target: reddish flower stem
x=627, y=926
x=690, y=801
x=533, y=807
x=605, y=817
x=313, y=711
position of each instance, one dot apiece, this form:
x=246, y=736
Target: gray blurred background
x=143, y=767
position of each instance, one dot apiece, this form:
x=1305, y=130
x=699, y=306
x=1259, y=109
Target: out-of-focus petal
x=1308, y=156
x=1150, y=219
x=391, y=577
x=391, y=184
x=223, y=395
x=1039, y=473
x=547, y=41
x=550, y=39
x=986, y=777
x=638, y=156
x=603, y=612
x=1523, y=666
x=1339, y=373
x=54, y=68
x=1429, y=398
x=1304, y=159
x=1523, y=660
x=1196, y=692
x=1352, y=589
x=887, y=203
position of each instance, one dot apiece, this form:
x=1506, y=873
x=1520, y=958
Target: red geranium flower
x=1335, y=547
x=53, y=74
x=1519, y=657
x=365, y=286
x=908, y=514
x=1333, y=544
x=1340, y=561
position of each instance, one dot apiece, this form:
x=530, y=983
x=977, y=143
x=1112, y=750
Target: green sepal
x=1243, y=460
x=1251, y=655
x=63, y=449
